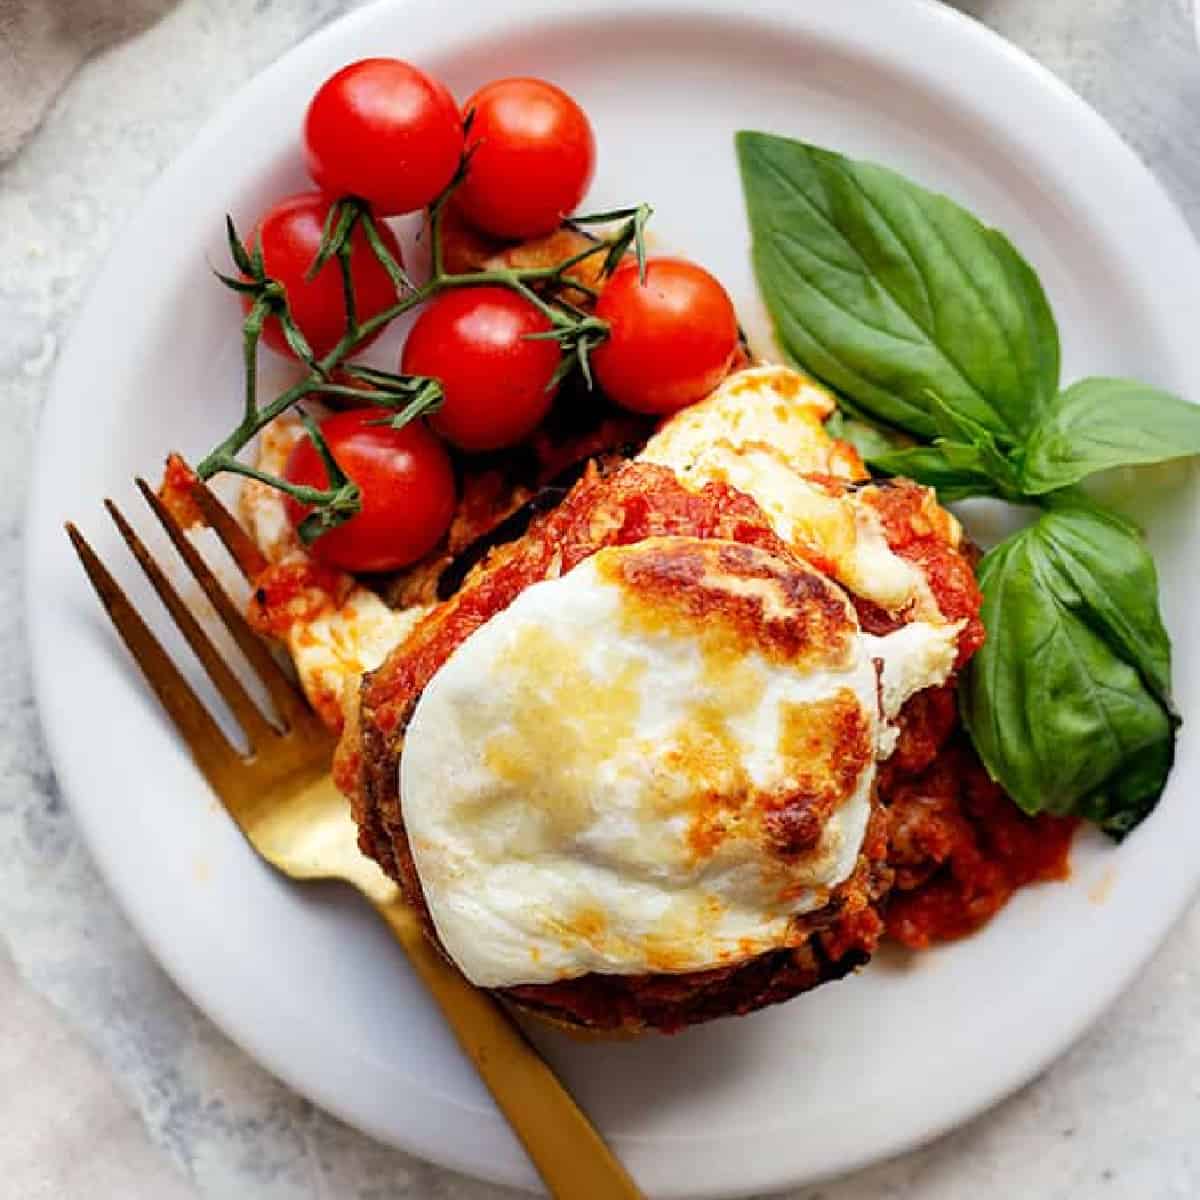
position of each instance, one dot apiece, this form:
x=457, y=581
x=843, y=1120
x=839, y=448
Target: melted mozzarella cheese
x=588, y=789
x=843, y=536
x=333, y=650
x=762, y=431
x=767, y=405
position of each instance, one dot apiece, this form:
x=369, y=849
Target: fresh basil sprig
x=892, y=294
x=931, y=324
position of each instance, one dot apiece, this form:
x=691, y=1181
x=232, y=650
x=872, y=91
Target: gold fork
x=282, y=798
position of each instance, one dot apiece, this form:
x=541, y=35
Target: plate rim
x=428, y=1141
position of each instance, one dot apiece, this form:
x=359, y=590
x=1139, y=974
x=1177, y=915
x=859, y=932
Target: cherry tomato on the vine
x=407, y=486
x=290, y=235
x=495, y=378
x=382, y=130
x=671, y=340
x=532, y=155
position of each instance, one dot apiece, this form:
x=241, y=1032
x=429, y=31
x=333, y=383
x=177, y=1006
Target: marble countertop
x=1116, y=1117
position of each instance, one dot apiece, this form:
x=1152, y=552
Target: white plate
x=306, y=979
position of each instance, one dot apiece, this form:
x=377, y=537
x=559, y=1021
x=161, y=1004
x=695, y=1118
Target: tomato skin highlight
x=532, y=157
x=496, y=380
x=382, y=130
x=407, y=486
x=290, y=235
x=671, y=340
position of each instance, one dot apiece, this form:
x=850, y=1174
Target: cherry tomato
x=496, y=380
x=407, y=486
x=532, y=156
x=671, y=340
x=382, y=130
x=290, y=235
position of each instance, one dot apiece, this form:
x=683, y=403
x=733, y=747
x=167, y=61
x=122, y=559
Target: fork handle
x=570, y=1156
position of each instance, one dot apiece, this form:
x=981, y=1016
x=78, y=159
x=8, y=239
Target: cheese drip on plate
x=653, y=763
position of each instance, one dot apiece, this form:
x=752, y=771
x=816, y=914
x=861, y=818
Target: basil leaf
x=1129, y=797
x=888, y=292
x=1101, y=423
x=928, y=465
x=1107, y=577
x=1039, y=323
x=1059, y=715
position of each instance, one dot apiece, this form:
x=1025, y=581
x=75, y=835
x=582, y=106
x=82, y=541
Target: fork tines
x=209, y=745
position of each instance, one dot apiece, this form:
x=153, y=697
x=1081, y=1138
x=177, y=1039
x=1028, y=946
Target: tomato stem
x=251, y=331
x=348, y=291
x=399, y=276
x=437, y=264
x=299, y=492
x=577, y=331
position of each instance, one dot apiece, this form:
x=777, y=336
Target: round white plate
x=306, y=979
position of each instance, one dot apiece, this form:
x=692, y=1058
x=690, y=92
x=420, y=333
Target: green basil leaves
x=889, y=292
x=1066, y=701
x=931, y=324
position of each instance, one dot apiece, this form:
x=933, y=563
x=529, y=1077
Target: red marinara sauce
x=918, y=529
x=177, y=492
x=295, y=591
x=960, y=847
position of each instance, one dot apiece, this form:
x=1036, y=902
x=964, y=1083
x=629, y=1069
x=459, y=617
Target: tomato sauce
x=919, y=529
x=960, y=848
x=177, y=492
x=295, y=591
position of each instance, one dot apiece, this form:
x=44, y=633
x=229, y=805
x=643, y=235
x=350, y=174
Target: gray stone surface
x=1116, y=1117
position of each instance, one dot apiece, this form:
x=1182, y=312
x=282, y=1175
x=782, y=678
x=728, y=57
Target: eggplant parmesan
x=627, y=772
